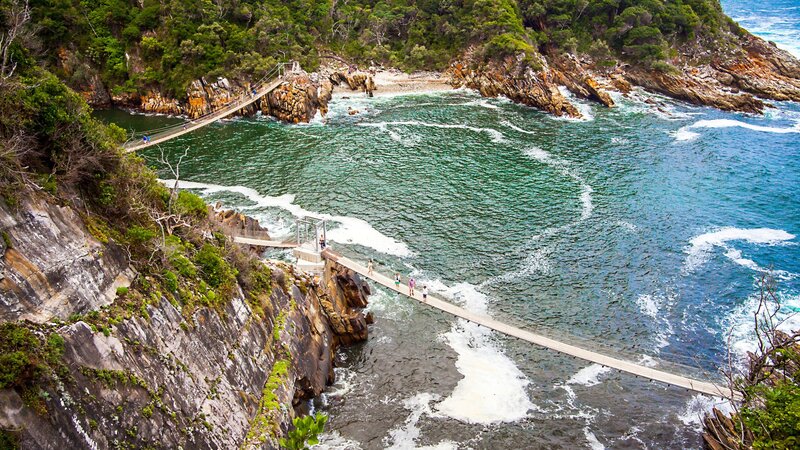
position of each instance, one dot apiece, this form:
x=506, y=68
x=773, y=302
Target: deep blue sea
x=641, y=231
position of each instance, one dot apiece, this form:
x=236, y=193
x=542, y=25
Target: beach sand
x=396, y=82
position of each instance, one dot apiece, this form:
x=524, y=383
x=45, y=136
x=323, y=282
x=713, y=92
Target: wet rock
x=236, y=223
x=577, y=80
x=691, y=88
x=204, y=97
x=344, y=295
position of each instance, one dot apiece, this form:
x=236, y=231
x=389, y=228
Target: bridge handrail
x=275, y=73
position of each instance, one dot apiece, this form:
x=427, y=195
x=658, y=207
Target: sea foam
x=589, y=375
x=586, y=190
x=701, y=246
x=492, y=389
x=350, y=230
x=684, y=133
x=494, y=134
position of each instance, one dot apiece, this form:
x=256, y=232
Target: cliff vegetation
x=127, y=319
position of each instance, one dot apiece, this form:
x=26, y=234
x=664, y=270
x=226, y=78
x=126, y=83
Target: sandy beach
x=393, y=81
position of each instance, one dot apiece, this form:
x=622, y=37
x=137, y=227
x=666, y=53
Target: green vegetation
x=29, y=361
x=171, y=43
x=776, y=424
x=305, y=433
x=635, y=30
x=263, y=425
x=769, y=417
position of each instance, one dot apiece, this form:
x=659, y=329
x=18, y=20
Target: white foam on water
x=648, y=305
x=536, y=263
x=589, y=375
x=586, y=190
x=741, y=324
x=627, y=225
x=698, y=406
x=334, y=441
x=651, y=306
x=492, y=389
x=344, y=384
x=351, y=230
x=494, y=134
x=516, y=128
x=683, y=134
x=594, y=444
x=699, y=251
x=647, y=361
x=405, y=436
x=582, y=106
x=484, y=103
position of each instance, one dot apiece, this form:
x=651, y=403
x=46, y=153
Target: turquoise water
x=641, y=232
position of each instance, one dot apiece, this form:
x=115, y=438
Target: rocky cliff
x=165, y=372
x=736, y=77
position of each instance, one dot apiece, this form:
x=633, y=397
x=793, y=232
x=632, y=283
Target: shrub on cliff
x=769, y=417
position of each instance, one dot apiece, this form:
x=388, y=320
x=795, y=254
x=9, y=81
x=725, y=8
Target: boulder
x=297, y=99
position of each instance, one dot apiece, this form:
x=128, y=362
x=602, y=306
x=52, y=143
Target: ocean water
x=641, y=231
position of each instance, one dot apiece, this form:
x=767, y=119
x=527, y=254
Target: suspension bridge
x=259, y=89
x=311, y=254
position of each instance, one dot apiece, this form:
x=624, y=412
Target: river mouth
x=616, y=232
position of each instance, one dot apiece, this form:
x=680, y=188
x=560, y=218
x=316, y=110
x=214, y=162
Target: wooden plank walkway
x=213, y=117
x=262, y=242
x=702, y=387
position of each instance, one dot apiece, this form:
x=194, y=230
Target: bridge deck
x=702, y=387
x=191, y=126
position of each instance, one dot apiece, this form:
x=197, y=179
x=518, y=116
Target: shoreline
x=393, y=81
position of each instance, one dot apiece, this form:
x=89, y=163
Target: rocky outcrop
x=298, y=98
x=238, y=223
x=697, y=87
x=55, y=265
x=516, y=81
x=154, y=102
x=204, y=98
x=168, y=376
x=355, y=80
x=569, y=73
x=343, y=296
x=763, y=70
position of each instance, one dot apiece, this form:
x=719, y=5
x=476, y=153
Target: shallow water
x=639, y=231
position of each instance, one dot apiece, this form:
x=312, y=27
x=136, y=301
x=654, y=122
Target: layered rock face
x=55, y=266
x=355, y=80
x=166, y=377
x=298, y=98
x=515, y=80
x=343, y=296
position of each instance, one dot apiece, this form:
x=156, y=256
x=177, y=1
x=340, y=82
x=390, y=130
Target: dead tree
x=16, y=17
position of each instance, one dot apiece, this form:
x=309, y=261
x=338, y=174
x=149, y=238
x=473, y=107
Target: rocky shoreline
x=744, y=79
x=212, y=377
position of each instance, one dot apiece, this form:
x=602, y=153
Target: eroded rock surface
x=298, y=98
x=518, y=82
x=55, y=266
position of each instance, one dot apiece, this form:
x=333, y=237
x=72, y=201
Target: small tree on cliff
x=306, y=432
x=769, y=417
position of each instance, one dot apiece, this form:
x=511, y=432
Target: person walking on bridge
x=397, y=281
x=411, y=284
x=369, y=267
x=424, y=293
